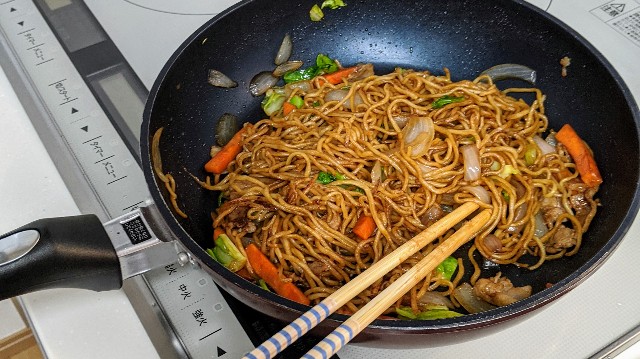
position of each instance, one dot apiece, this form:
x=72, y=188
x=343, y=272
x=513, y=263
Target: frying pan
x=467, y=37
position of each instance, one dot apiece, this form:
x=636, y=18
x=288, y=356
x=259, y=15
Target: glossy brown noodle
x=305, y=227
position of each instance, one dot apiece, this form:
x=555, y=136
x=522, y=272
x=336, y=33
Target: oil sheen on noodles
x=402, y=149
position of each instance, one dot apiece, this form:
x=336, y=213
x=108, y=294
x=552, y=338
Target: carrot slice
x=219, y=162
x=287, y=107
x=269, y=273
x=577, y=148
x=335, y=78
x=217, y=232
x=365, y=226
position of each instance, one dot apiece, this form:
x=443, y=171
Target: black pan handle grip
x=66, y=252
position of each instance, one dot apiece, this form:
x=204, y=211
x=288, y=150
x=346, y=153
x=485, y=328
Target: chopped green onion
x=227, y=254
x=447, y=267
x=530, y=154
x=316, y=104
x=505, y=195
x=220, y=199
x=445, y=100
x=297, y=101
x=316, y=13
x=333, y=4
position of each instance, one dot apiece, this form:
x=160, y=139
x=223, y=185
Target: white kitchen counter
x=76, y=323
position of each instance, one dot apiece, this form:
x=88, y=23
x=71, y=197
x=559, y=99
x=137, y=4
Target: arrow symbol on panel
x=21, y=23
x=221, y=352
x=73, y=110
x=85, y=128
x=12, y=9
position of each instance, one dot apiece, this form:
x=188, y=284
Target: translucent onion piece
x=435, y=298
x=464, y=295
x=284, y=52
x=479, y=192
x=286, y=67
x=511, y=71
x=471, y=157
x=418, y=133
x=340, y=94
x=303, y=86
x=426, y=168
x=545, y=147
x=400, y=120
x=218, y=79
x=492, y=243
x=541, y=228
x=262, y=82
x=376, y=173
x=226, y=128
x=519, y=214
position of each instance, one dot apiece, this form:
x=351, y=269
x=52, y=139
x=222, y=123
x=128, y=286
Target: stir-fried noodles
x=383, y=157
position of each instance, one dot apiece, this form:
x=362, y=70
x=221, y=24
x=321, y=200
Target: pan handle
x=65, y=252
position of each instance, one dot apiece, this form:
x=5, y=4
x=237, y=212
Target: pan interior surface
x=464, y=36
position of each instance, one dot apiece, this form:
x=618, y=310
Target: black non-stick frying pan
x=467, y=37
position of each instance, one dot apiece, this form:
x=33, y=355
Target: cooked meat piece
x=500, y=291
x=563, y=238
x=319, y=268
x=581, y=200
x=432, y=215
x=551, y=209
x=238, y=210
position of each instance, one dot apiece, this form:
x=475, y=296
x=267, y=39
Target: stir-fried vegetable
x=316, y=14
x=287, y=108
x=227, y=254
x=336, y=77
x=508, y=170
x=365, y=226
x=432, y=312
x=530, y=154
x=273, y=101
x=324, y=65
x=585, y=163
x=445, y=100
x=333, y=4
x=326, y=177
x=471, y=158
x=297, y=101
x=447, y=267
x=266, y=270
x=218, y=163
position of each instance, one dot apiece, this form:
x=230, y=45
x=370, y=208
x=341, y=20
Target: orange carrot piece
x=335, y=78
x=219, y=162
x=577, y=148
x=269, y=273
x=287, y=108
x=365, y=226
x=217, y=232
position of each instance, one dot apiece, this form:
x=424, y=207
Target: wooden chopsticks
x=373, y=309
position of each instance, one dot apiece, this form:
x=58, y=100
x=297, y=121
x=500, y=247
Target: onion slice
x=479, y=192
x=418, y=134
x=284, y=52
x=465, y=296
x=511, y=71
x=545, y=147
x=471, y=157
x=218, y=79
x=286, y=67
x=261, y=82
x=340, y=94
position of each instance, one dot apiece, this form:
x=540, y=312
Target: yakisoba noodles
x=402, y=149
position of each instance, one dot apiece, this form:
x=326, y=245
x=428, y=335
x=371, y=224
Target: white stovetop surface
x=83, y=324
